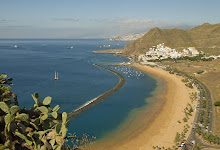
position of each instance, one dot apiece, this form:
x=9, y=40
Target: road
x=193, y=137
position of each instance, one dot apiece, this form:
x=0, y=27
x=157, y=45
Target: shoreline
x=109, y=51
x=160, y=128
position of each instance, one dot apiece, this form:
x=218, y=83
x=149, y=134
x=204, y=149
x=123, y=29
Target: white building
x=162, y=52
x=193, y=51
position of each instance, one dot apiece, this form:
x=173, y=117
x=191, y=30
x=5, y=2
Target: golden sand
x=143, y=132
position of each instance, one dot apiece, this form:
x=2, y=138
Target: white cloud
x=123, y=26
x=19, y=26
x=121, y=20
x=131, y=21
x=93, y=28
x=131, y=24
x=67, y=19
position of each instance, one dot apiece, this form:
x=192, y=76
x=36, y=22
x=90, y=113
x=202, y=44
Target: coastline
x=109, y=51
x=163, y=129
x=160, y=128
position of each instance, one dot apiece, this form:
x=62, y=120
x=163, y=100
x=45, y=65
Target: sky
x=76, y=19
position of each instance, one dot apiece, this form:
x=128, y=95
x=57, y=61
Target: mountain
x=202, y=37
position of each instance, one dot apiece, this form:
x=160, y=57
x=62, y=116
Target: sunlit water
x=32, y=66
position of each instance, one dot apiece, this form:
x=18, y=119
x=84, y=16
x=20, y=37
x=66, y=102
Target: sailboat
x=56, y=76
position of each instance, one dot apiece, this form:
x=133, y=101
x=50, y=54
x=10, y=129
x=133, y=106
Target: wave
x=87, y=103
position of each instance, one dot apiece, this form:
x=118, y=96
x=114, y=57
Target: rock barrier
x=101, y=97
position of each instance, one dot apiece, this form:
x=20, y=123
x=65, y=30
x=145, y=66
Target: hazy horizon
x=53, y=19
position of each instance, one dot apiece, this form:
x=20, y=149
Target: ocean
x=32, y=66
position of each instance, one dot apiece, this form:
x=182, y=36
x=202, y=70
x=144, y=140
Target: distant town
x=129, y=37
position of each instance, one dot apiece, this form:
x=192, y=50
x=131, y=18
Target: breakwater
x=94, y=101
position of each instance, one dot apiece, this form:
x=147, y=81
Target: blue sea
x=32, y=66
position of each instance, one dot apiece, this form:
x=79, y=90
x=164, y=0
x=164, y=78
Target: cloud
x=19, y=26
x=3, y=21
x=67, y=19
x=6, y=21
x=93, y=28
x=123, y=26
x=131, y=21
x=122, y=20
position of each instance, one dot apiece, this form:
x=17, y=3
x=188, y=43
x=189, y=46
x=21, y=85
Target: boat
x=15, y=46
x=99, y=46
x=106, y=45
x=71, y=47
x=56, y=76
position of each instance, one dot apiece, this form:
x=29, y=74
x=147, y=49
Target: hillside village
x=162, y=52
x=205, y=38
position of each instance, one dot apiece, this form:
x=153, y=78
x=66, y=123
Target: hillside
x=205, y=37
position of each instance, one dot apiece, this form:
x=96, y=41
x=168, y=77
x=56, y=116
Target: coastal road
x=193, y=139
x=212, y=112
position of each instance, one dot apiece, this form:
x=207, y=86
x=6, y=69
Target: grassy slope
x=205, y=37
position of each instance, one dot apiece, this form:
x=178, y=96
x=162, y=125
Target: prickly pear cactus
x=40, y=127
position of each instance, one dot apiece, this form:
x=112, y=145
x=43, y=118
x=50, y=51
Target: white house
x=193, y=51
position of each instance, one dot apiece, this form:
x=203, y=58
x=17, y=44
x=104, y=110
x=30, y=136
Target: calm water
x=32, y=66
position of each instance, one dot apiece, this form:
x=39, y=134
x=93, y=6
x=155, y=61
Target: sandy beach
x=161, y=127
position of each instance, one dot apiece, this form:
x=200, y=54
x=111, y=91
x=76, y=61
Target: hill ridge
x=203, y=36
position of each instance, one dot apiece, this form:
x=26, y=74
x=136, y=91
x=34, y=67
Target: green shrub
x=185, y=80
x=177, y=138
x=185, y=119
x=199, y=72
x=40, y=127
x=217, y=103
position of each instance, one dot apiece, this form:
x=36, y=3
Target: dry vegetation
x=210, y=77
x=210, y=51
x=110, y=51
x=205, y=37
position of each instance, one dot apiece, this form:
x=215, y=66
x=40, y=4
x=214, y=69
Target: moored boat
x=106, y=45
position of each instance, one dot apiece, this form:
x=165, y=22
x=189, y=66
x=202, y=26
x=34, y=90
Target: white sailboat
x=56, y=76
